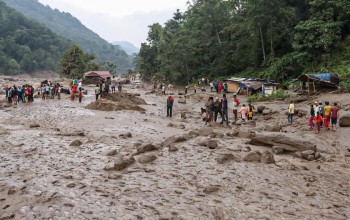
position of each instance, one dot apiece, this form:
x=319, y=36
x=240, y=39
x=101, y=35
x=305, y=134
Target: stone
x=120, y=163
x=289, y=142
x=347, y=154
x=34, y=125
x=224, y=158
x=126, y=135
x=211, y=189
x=212, y=144
x=147, y=158
x=308, y=152
x=253, y=156
x=182, y=126
x=298, y=154
x=261, y=108
x=193, y=134
x=145, y=148
x=110, y=152
x=181, y=101
x=114, y=176
x=183, y=115
x=273, y=128
x=206, y=132
x=310, y=157
x=317, y=155
x=76, y=143
x=267, y=157
x=174, y=139
x=277, y=150
x=172, y=148
x=266, y=112
x=170, y=125
x=344, y=120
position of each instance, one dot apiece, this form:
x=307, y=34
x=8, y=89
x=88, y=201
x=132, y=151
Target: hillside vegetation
x=65, y=25
x=26, y=45
x=274, y=39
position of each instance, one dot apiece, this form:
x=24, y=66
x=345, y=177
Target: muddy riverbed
x=174, y=173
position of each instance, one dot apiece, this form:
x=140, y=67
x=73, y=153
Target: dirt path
x=43, y=177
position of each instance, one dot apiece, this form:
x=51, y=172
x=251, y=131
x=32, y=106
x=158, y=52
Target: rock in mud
x=126, y=135
x=173, y=148
x=175, y=139
x=267, y=157
x=110, y=152
x=273, y=128
x=212, y=144
x=75, y=133
x=225, y=158
x=277, y=150
x=193, y=134
x=146, y=148
x=147, y=158
x=206, y=132
x=287, y=141
x=76, y=143
x=34, y=125
x=344, y=121
x=261, y=108
x=182, y=101
x=267, y=112
x=120, y=164
x=211, y=189
x=253, y=156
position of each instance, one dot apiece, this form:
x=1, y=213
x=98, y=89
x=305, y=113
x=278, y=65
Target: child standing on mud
x=318, y=119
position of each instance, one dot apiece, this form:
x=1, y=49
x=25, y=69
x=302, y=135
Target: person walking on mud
x=236, y=103
x=169, y=106
x=119, y=87
x=334, y=116
x=218, y=109
x=291, y=112
x=97, y=91
x=224, y=109
x=318, y=119
x=250, y=111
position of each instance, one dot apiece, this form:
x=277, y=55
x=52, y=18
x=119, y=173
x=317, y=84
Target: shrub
x=278, y=95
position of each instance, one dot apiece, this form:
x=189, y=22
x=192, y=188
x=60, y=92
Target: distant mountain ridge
x=128, y=47
x=65, y=25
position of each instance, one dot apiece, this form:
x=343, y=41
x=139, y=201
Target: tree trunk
x=271, y=39
x=262, y=44
x=218, y=36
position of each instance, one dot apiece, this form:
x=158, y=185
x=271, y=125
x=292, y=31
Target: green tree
x=72, y=63
x=13, y=66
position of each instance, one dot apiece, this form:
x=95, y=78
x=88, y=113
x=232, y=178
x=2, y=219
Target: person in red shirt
x=334, y=116
x=318, y=119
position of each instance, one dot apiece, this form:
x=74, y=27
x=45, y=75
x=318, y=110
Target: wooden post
x=308, y=88
x=314, y=86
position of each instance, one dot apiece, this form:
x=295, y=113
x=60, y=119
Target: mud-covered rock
x=110, y=152
x=267, y=157
x=120, y=163
x=174, y=139
x=225, y=158
x=344, y=120
x=146, y=148
x=126, y=135
x=76, y=143
x=34, y=125
x=261, y=108
x=253, y=156
x=211, y=189
x=173, y=148
x=273, y=128
x=277, y=150
x=212, y=144
x=287, y=141
x=147, y=158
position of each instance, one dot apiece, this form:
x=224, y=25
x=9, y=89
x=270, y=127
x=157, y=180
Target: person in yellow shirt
x=291, y=110
x=327, y=115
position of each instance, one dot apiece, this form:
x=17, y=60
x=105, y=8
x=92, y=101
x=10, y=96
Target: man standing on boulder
x=169, y=106
x=290, y=112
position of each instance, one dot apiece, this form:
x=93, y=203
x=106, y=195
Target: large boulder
x=145, y=148
x=344, y=121
x=147, y=158
x=261, y=108
x=225, y=157
x=289, y=142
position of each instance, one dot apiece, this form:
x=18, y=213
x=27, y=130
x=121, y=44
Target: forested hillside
x=275, y=39
x=26, y=45
x=64, y=24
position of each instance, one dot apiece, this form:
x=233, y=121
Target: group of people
x=319, y=116
x=51, y=90
x=16, y=94
x=103, y=88
x=220, y=107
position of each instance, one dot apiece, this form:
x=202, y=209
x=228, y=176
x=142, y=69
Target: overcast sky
x=119, y=20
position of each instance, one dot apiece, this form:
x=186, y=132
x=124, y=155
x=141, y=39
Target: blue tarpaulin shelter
x=315, y=82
